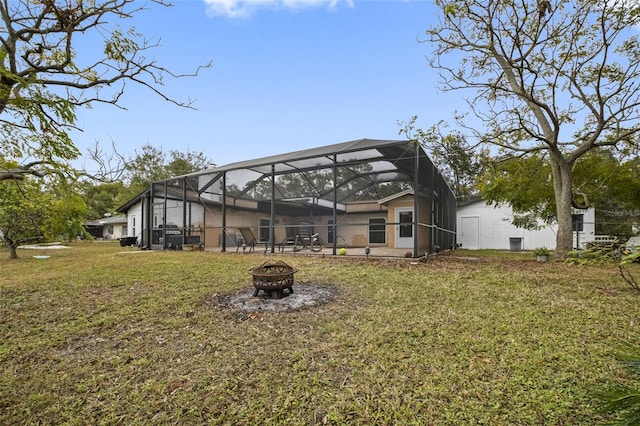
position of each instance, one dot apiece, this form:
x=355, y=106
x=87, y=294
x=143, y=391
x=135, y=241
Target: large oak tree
x=45, y=76
x=557, y=78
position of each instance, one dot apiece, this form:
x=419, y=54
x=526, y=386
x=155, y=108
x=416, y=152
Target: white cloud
x=245, y=8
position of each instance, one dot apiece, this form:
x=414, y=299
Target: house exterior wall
x=175, y=214
x=212, y=227
x=424, y=233
x=481, y=226
x=240, y=218
x=404, y=202
x=112, y=227
x=137, y=223
x=134, y=221
x=116, y=231
x=588, y=233
x=352, y=230
x=407, y=202
x=367, y=207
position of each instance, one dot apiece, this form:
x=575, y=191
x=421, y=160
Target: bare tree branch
x=43, y=77
x=111, y=165
x=18, y=173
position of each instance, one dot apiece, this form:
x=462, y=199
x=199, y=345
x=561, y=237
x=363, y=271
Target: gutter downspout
x=272, y=218
x=416, y=198
x=224, y=213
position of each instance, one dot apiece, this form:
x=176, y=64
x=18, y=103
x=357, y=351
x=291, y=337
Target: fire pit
x=272, y=277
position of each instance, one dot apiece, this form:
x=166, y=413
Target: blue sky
x=286, y=75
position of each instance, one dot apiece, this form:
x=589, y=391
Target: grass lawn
x=100, y=334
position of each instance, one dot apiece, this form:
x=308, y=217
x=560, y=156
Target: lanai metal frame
x=329, y=177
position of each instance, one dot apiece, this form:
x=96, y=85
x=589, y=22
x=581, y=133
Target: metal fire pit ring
x=273, y=277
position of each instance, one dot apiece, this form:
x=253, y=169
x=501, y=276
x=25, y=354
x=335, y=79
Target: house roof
x=126, y=206
x=107, y=220
x=368, y=163
x=367, y=149
x=396, y=196
x=471, y=200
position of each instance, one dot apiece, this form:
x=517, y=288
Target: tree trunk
x=562, y=187
x=13, y=253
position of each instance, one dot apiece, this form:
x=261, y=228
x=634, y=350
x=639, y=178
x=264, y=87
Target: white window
x=377, y=231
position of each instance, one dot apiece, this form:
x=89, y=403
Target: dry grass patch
x=96, y=335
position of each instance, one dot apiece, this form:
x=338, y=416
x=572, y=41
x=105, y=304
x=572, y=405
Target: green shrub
x=623, y=398
x=542, y=251
x=614, y=253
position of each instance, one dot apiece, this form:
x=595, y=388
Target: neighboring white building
x=109, y=228
x=483, y=226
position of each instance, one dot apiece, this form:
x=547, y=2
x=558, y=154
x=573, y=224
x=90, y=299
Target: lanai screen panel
x=360, y=173
x=314, y=185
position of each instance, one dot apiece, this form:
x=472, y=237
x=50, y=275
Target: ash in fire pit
x=306, y=296
x=273, y=277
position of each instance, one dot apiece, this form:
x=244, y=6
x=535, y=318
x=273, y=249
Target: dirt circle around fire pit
x=305, y=295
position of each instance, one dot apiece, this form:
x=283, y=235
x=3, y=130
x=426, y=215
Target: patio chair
x=248, y=239
x=291, y=239
x=307, y=238
x=304, y=234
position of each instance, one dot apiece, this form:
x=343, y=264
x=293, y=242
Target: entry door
x=404, y=228
x=157, y=242
x=470, y=233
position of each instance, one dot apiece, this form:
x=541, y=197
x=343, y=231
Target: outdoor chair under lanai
x=248, y=240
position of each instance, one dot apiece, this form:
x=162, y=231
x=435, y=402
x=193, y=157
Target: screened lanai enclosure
x=374, y=195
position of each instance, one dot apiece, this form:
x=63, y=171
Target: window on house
x=264, y=229
x=406, y=224
x=377, y=231
x=436, y=213
x=578, y=222
x=124, y=231
x=110, y=229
